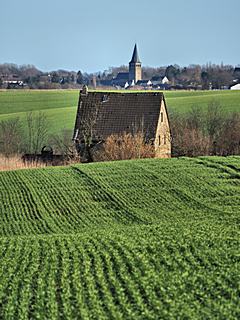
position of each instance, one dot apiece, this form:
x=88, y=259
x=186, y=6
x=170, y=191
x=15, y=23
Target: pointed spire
x=135, y=56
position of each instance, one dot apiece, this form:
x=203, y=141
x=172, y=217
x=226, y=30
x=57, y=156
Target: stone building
x=101, y=114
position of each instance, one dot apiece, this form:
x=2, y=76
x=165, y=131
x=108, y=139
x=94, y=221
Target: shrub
x=124, y=146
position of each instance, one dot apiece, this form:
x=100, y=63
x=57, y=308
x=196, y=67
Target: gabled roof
x=118, y=113
x=135, y=56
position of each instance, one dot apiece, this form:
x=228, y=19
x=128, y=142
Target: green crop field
x=60, y=105
x=140, y=239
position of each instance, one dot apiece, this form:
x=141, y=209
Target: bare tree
x=214, y=118
x=63, y=144
x=229, y=140
x=188, y=137
x=87, y=124
x=208, y=132
x=195, y=118
x=11, y=136
x=214, y=124
x=37, y=131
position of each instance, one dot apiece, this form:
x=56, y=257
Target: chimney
x=84, y=90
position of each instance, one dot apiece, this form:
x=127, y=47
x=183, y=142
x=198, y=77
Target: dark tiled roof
x=122, y=76
x=237, y=69
x=119, y=112
x=236, y=72
x=135, y=56
x=157, y=78
x=142, y=82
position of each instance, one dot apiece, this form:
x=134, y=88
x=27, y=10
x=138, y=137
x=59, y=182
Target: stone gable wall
x=163, y=138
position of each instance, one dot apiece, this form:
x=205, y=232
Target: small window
x=105, y=98
x=161, y=115
x=165, y=139
x=159, y=140
x=151, y=141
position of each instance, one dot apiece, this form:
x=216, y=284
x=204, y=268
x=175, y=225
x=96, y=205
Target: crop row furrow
x=123, y=213
x=11, y=294
x=78, y=204
x=99, y=272
x=58, y=196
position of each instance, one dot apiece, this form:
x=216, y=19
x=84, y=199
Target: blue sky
x=94, y=35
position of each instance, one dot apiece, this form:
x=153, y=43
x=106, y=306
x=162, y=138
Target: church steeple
x=135, y=56
x=135, y=69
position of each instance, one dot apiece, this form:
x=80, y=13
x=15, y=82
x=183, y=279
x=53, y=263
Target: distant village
x=133, y=77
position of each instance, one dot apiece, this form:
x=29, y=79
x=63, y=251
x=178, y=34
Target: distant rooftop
x=122, y=76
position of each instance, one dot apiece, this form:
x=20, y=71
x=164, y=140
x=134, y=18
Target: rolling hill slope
x=143, y=239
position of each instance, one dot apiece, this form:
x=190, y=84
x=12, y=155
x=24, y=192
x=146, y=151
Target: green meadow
x=183, y=101
x=60, y=105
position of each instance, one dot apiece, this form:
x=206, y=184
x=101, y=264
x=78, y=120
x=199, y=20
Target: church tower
x=135, y=68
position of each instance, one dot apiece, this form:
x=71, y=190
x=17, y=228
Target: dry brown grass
x=16, y=163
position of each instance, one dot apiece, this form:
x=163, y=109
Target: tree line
x=33, y=78
x=205, y=132
x=209, y=76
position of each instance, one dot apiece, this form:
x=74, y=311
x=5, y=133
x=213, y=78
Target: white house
x=165, y=80
x=236, y=87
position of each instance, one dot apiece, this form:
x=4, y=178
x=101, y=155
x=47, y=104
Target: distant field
x=60, y=105
x=143, y=239
x=183, y=101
